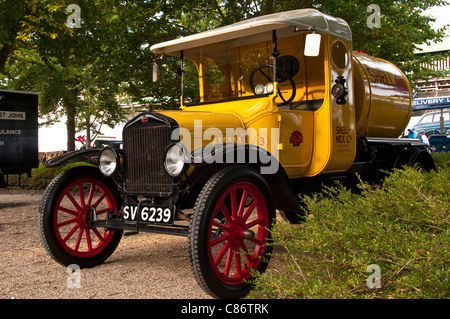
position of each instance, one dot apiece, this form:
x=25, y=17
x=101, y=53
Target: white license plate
x=152, y=214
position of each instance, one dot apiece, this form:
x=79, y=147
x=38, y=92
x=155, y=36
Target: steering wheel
x=281, y=77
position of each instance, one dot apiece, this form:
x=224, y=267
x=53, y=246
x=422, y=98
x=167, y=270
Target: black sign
x=18, y=131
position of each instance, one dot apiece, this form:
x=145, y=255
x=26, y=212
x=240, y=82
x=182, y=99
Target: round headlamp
x=259, y=89
x=174, y=162
x=269, y=88
x=108, y=161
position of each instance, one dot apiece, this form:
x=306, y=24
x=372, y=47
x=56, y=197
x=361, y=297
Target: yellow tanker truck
x=271, y=107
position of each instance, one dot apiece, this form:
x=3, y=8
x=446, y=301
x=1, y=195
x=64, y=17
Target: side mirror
x=312, y=44
x=155, y=72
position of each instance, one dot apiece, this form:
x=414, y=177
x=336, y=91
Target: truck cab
x=270, y=107
x=229, y=82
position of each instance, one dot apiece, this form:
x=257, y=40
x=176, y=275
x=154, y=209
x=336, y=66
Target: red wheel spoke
x=69, y=234
x=98, y=201
x=233, y=204
x=77, y=244
x=67, y=222
x=66, y=210
x=242, y=203
x=221, y=253
x=88, y=239
x=81, y=194
x=253, y=223
x=230, y=254
x=74, y=202
x=219, y=240
x=99, y=236
x=250, y=209
x=91, y=194
x=219, y=225
x=225, y=212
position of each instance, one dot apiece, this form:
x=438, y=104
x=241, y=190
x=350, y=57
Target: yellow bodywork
x=311, y=135
x=317, y=149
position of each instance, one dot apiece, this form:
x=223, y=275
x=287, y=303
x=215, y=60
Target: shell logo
x=296, y=138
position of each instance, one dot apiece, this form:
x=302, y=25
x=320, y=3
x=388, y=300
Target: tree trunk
x=7, y=50
x=88, y=132
x=71, y=111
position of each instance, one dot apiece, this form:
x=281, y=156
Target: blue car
x=439, y=143
x=430, y=123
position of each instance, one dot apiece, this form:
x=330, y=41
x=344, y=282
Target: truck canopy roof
x=301, y=18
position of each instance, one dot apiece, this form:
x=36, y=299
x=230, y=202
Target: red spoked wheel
x=74, y=207
x=238, y=233
x=69, y=203
x=229, y=236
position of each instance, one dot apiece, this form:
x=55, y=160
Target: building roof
x=302, y=18
x=434, y=47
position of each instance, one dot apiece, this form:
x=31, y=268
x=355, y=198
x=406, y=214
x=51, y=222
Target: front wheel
x=229, y=235
x=69, y=203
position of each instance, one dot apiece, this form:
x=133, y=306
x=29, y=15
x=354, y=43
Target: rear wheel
x=229, y=235
x=421, y=160
x=68, y=205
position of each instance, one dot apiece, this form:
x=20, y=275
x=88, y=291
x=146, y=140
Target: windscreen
x=225, y=71
x=243, y=68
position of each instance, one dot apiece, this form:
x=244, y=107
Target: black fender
x=89, y=156
x=218, y=156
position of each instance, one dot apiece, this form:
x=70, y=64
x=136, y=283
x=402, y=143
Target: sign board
x=431, y=103
x=18, y=131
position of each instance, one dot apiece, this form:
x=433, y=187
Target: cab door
x=297, y=118
x=296, y=137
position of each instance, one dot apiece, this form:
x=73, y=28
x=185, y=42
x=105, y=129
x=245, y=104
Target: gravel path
x=143, y=266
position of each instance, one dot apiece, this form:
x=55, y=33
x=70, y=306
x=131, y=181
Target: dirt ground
x=149, y=266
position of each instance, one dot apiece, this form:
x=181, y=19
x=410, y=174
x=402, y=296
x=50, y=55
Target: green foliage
x=442, y=159
x=109, y=57
x=40, y=176
x=402, y=25
x=402, y=28
x=403, y=227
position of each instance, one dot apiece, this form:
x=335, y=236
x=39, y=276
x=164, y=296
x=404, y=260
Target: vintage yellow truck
x=270, y=108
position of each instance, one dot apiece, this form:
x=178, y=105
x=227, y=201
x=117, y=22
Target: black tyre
x=293, y=217
x=229, y=235
x=64, y=215
x=421, y=160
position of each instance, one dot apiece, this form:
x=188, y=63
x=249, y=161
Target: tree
x=402, y=27
x=79, y=72
x=65, y=65
x=23, y=20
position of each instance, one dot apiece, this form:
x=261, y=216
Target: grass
x=402, y=228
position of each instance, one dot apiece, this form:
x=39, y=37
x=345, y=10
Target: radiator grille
x=144, y=148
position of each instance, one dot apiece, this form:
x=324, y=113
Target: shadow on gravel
x=16, y=204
